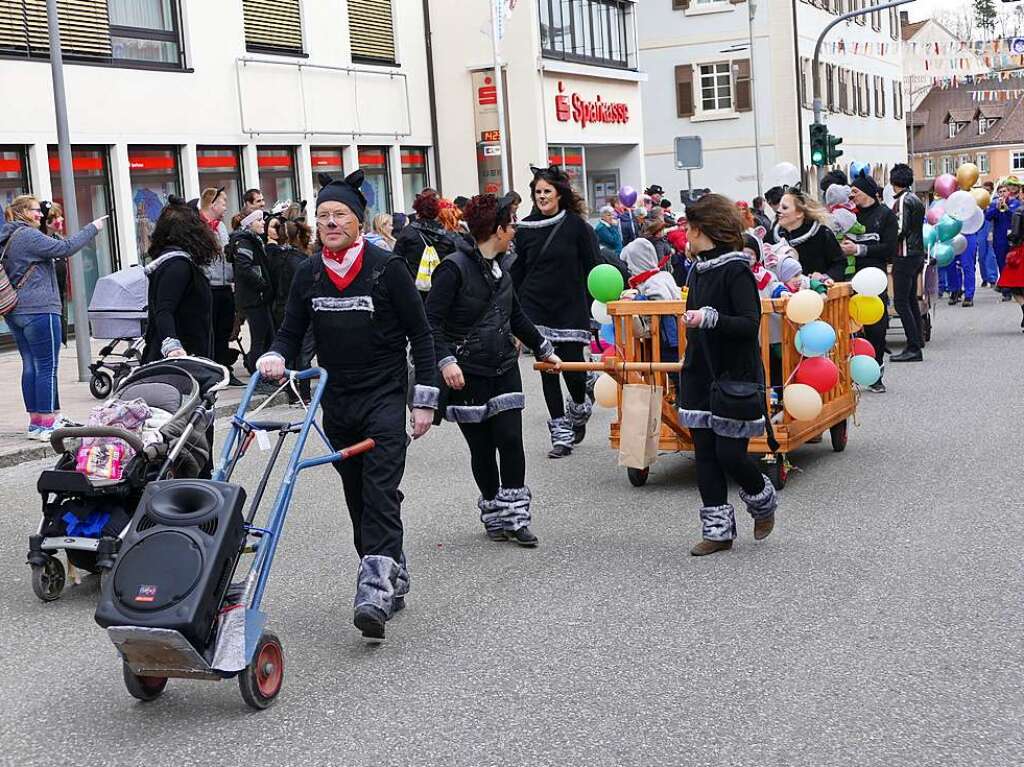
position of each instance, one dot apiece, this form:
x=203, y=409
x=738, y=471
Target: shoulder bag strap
x=3, y=258
x=547, y=242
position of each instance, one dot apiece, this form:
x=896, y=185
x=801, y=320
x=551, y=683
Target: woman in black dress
x=474, y=312
x=804, y=224
x=723, y=321
x=556, y=249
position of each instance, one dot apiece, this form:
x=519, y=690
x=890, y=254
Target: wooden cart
x=639, y=361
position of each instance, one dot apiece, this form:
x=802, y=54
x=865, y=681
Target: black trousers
x=719, y=458
x=371, y=480
x=575, y=382
x=499, y=437
x=223, y=320
x=261, y=333
x=875, y=334
x=904, y=297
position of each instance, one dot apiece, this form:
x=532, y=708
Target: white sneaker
x=44, y=433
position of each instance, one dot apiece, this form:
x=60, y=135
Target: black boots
x=908, y=355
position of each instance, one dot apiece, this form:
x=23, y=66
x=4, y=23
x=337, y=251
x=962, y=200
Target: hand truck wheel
x=261, y=680
x=100, y=385
x=145, y=688
x=777, y=471
x=839, y=436
x=48, y=580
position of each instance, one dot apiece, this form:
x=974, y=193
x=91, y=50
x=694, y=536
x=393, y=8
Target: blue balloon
x=864, y=370
x=607, y=333
x=816, y=338
x=858, y=169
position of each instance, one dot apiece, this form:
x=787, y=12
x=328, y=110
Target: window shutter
x=273, y=26
x=741, y=86
x=680, y=5
x=84, y=27
x=371, y=31
x=805, y=87
x=684, y=90
x=830, y=87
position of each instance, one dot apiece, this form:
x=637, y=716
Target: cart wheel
x=926, y=327
x=100, y=385
x=839, y=435
x=48, y=580
x=638, y=477
x=260, y=681
x=778, y=472
x=144, y=688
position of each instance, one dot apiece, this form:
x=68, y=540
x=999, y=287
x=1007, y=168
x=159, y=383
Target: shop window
x=13, y=174
x=155, y=176
x=93, y=195
x=571, y=160
x=221, y=167
x=414, y=173
x=277, y=174
x=273, y=27
x=371, y=31
x=326, y=159
x=598, y=32
x=377, y=187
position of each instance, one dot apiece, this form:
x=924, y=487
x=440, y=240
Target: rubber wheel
x=260, y=681
x=638, y=477
x=100, y=385
x=777, y=472
x=926, y=327
x=145, y=688
x=839, y=435
x=48, y=580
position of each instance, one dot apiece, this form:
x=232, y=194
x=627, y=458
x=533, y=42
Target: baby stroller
x=86, y=516
x=117, y=313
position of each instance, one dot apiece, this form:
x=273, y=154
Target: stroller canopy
x=124, y=292
x=188, y=377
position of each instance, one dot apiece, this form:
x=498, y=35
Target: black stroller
x=86, y=516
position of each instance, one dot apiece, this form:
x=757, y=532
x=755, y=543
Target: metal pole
x=80, y=305
x=497, y=7
x=752, y=10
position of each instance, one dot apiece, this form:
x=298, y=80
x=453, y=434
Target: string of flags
x=1006, y=94
x=1011, y=46
x=953, y=81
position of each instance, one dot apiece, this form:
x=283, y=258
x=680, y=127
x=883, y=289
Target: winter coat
x=910, y=217
x=609, y=235
x=283, y=260
x=817, y=247
x=418, y=235
x=627, y=225
x=877, y=246
x=220, y=272
x=642, y=256
x=253, y=288
x=31, y=249
x=180, y=309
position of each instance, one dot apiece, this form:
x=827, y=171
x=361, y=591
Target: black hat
x=347, y=191
x=867, y=185
x=654, y=189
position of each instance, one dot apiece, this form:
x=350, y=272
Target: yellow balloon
x=866, y=310
x=967, y=175
x=606, y=391
x=801, y=401
x=982, y=197
x=805, y=306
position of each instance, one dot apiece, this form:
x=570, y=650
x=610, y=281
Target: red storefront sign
x=10, y=166
x=275, y=161
x=217, y=161
x=578, y=109
x=150, y=162
x=78, y=163
x=487, y=94
x=326, y=159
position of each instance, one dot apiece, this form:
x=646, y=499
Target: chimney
x=904, y=18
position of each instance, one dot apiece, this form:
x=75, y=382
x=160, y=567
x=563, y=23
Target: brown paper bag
x=640, y=426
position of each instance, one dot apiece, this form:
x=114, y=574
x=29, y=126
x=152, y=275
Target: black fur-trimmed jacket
x=252, y=270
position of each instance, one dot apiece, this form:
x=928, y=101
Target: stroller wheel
x=260, y=681
x=48, y=579
x=100, y=385
x=144, y=688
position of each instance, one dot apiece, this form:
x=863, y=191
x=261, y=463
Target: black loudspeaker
x=176, y=560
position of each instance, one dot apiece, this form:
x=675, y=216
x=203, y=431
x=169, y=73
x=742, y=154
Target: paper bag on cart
x=640, y=426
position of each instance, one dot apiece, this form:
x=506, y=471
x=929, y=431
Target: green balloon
x=930, y=236
x=605, y=283
x=943, y=254
x=947, y=228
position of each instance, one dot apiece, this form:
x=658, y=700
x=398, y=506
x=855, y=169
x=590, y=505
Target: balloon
x=805, y=306
x=967, y=175
x=627, y=196
x=943, y=254
x=974, y=223
x=801, y=401
x=798, y=345
x=930, y=236
x=959, y=244
x=864, y=370
x=786, y=174
x=817, y=338
x=870, y=281
x=607, y=333
x=862, y=346
x=947, y=228
x=867, y=310
x=982, y=197
x=600, y=312
x=820, y=373
x=888, y=195
x=853, y=326
x=961, y=205
x=606, y=391
x=934, y=214
x=858, y=169
x=945, y=185
x=605, y=282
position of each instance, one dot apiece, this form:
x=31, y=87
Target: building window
x=273, y=27
x=155, y=176
x=947, y=164
x=894, y=23
x=929, y=167
x=374, y=162
x=844, y=91
x=897, y=99
x=830, y=87
x=144, y=30
x=598, y=32
x=985, y=123
x=371, y=30
x=983, y=163
x=326, y=159
x=414, y=173
x=13, y=173
x=277, y=174
x=1018, y=160
x=879, y=86
x=715, y=86
x=220, y=167
x=856, y=5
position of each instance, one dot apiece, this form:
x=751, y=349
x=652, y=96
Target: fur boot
x=578, y=416
x=562, y=437
x=762, y=508
x=490, y=515
x=515, y=514
x=719, y=530
x=375, y=592
x=402, y=582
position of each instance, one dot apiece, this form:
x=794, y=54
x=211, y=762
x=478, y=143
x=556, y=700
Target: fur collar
x=541, y=223
x=717, y=261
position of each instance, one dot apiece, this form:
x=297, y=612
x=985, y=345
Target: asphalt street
x=879, y=625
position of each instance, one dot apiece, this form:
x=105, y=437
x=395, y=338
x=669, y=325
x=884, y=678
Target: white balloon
x=600, y=313
x=959, y=244
x=888, y=195
x=961, y=205
x=973, y=224
x=786, y=174
x=871, y=281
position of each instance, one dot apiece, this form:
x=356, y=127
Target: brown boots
x=704, y=548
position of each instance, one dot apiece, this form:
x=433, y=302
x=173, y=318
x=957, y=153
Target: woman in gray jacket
x=29, y=258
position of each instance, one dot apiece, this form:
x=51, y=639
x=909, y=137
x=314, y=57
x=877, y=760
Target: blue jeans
x=38, y=337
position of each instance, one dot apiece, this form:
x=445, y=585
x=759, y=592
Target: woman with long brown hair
x=804, y=224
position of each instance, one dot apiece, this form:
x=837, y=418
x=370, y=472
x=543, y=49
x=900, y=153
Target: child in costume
x=844, y=219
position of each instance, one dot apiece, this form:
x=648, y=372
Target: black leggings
x=719, y=457
x=261, y=333
x=576, y=383
x=502, y=433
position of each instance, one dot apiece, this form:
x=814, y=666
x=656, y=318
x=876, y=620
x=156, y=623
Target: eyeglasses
x=326, y=218
x=35, y=210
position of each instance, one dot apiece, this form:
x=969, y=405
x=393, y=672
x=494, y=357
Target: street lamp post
x=751, y=11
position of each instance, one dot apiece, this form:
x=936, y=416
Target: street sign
x=689, y=153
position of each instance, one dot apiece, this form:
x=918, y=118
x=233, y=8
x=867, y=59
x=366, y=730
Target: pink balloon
x=934, y=214
x=945, y=185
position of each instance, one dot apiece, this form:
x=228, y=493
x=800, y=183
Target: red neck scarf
x=639, y=279
x=343, y=266
x=213, y=223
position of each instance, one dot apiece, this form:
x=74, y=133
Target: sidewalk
x=75, y=399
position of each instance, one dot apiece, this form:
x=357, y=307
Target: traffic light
x=833, y=153
x=819, y=144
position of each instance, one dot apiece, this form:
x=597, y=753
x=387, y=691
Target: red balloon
x=820, y=373
x=862, y=346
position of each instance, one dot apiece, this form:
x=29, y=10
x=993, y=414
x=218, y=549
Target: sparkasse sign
x=584, y=112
